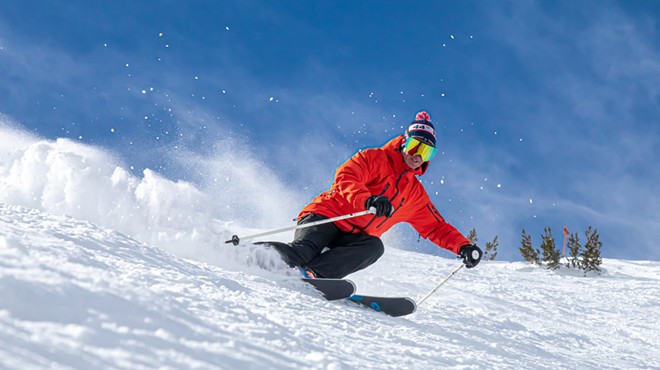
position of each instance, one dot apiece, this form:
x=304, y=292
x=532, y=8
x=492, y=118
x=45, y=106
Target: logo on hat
x=422, y=127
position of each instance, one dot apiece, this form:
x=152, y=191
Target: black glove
x=471, y=255
x=382, y=205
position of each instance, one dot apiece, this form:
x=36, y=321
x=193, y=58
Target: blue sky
x=547, y=111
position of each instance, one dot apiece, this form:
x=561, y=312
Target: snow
x=102, y=269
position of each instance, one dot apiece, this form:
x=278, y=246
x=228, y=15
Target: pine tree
x=528, y=252
x=472, y=236
x=491, y=250
x=591, y=260
x=574, y=249
x=551, y=255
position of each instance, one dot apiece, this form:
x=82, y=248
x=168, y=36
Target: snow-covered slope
x=137, y=276
x=74, y=295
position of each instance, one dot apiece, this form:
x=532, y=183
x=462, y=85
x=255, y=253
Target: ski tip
x=414, y=304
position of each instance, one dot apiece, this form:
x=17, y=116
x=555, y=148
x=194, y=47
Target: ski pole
x=441, y=284
x=235, y=239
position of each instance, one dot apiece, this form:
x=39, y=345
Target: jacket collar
x=393, y=150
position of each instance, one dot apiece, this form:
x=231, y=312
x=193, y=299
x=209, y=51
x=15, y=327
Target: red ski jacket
x=382, y=171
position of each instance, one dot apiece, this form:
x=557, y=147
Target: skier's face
x=413, y=161
x=416, y=151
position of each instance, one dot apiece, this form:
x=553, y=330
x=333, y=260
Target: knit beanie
x=422, y=129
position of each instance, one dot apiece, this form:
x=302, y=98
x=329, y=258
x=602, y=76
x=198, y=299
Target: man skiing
x=383, y=178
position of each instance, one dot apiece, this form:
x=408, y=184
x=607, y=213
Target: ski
x=392, y=306
x=336, y=289
x=332, y=289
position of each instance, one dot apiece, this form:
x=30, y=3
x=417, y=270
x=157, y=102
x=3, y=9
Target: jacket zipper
x=396, y=193
x=396, y=185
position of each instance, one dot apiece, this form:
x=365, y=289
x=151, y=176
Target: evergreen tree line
x=586, y=258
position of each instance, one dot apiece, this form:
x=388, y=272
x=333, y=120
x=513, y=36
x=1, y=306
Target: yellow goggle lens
x=416, y=147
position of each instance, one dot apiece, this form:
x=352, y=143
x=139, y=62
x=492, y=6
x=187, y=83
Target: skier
x=383, y=178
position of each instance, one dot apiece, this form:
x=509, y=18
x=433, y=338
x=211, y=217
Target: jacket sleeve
x=430, y=224
x=352, y=177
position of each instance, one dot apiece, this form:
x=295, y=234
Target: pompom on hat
x=422, y=129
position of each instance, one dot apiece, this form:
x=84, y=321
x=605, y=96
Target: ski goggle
x=415, y=147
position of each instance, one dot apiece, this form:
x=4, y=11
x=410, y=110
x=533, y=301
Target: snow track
x=74, y=295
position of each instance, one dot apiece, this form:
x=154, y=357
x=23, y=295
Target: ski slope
x=102, y=269
x=74, y=295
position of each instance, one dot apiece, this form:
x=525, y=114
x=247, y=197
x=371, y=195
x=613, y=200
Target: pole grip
x=234, y=240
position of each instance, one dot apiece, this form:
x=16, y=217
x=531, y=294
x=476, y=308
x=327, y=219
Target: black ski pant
x=328, y=251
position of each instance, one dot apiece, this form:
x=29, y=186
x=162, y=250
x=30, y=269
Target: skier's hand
x=382, y=205
x=471, y=255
